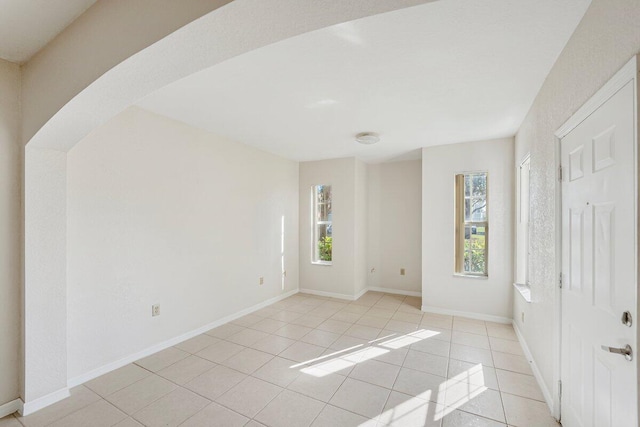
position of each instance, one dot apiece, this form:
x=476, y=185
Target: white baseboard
x=11, y=407
x=81, y=379
x=44, y=401
x=359, y=294
x=327, y=294
x=469, y=314
x=536, y=372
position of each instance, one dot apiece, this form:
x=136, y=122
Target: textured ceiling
x=443, y=72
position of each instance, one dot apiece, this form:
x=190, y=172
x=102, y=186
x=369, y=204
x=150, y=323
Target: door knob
x=625, y=351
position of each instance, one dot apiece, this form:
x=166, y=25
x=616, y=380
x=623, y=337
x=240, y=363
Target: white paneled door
x=598, y=157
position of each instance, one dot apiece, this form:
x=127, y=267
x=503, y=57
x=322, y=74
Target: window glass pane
x=322, y=233
x=467, y=185
x=479, y=184
x=467, y=210
x=478, y=210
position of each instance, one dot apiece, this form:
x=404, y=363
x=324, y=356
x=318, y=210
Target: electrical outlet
x=373, y=270
x=155, y=310
x=522, y=316
x=402, y=272
x=262, y=280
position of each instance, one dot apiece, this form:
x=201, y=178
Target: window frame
x=315, y=251
x=461, y=223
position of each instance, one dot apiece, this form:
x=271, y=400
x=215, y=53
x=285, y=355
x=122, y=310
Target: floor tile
x=377, y=373
x=437, y=320
x=309, y=321
x=362, y=398
x=278, y=371
x=185, y=370
x=290, y=409
x=250, y=396
x=162, y=359
x=400, y=326
x=320, y=387
x=381, y=312
x=471, y=354
x=332, y=416
x=421, y=384
x=118, y=379
x=346, y=342
x=469, y=325
x=80, y=397
x=302, y=352
x=287, y=316
x=320, y=338
x=172, y=409
x=273, y=344
x=220, y=351
x=505, y=346
x=511, y=362
x=335, y=326
x=140, y=394
x=426, y=362
x=268, y=325
x=474, y=373
x=197, y=343
x=248, y=360
x=522, y=412
x=403, y=410
x=346, y=316
x=216, y=415
x=363, y=332
x=9, y=421
x=128, y=422
x=382, y=354
x=499, y=330
x=247, y=320
x=214, y=383
x=519, y=384
x=225, y=330
x=474, y=399
x=294, y=332
x=432, y=346
x=407, y=317
x=464, y=419
x=98, y=414
x=472, y=340
x=372, y=321
x=356, y=309
x=247, y=337
x=266, y=312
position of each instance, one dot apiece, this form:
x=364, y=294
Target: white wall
x=45, y=289
x=160, y=212
x=395, y=209
x=338, y=278
x=441, y=290
x=10, y=231
x=361, y=218
x=607, y=37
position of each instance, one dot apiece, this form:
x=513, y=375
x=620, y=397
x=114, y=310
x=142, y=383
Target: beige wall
x=395, y=215
x=489, y=297
x=10, y=226
x=162, y=213
x=607, y=37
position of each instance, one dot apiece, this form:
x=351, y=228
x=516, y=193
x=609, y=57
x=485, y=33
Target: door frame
x=629, y=72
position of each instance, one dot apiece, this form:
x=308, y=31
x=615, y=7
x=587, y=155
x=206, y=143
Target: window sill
x=525, y=291
x=325, y=263
x=471, y=276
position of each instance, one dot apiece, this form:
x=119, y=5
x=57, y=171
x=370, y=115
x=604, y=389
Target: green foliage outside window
x=324, y=248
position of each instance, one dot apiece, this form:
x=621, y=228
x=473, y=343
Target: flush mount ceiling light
x=367, y=138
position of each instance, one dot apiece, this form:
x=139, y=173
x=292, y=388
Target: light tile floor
x=313, y=361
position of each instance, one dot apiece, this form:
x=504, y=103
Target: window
x=322, y=227
x=472, y=226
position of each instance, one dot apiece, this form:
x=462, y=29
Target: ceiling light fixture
x=367, y=138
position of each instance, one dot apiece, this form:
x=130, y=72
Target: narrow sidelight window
x=321, y=239
x=472, y=224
